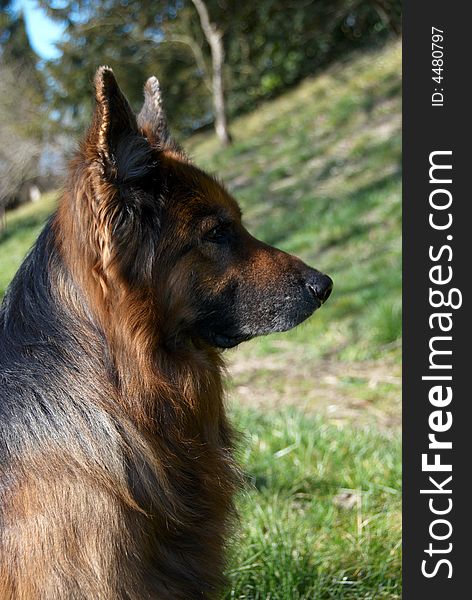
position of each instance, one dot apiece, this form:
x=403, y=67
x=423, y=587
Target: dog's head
x=165, y=228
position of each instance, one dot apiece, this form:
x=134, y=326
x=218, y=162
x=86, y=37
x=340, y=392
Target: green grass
x=321, y=517
x=23, y=227
x=317, y=172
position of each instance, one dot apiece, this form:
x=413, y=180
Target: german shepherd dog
x=116, y=469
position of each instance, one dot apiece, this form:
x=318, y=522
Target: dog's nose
x=321, y=286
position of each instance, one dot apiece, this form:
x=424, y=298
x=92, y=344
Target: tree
x=214, y=58
x=21, y=118
x=19, y=150
x=136, y=44
x=214, y=36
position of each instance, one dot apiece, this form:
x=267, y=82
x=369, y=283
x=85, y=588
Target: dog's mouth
x=230, y=339
x=221, y=340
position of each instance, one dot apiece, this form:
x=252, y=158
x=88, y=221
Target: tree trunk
x=214, y=38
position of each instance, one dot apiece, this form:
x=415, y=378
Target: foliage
x=269, y=45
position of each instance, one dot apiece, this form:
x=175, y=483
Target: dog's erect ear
x=152, y=119
x=113, y=117
x=114, y=138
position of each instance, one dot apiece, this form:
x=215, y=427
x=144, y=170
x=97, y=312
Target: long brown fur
x=116, y=475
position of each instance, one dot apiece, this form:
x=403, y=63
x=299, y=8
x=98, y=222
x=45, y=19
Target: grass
x=23, y=227
x=317, y=172
x=321, y=517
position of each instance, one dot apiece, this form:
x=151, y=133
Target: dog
x=117, y=475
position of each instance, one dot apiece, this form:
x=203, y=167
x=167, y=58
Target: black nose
x=321, y=286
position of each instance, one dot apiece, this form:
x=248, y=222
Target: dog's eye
x=217, y=235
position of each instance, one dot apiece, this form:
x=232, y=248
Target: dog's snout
x=320, y=285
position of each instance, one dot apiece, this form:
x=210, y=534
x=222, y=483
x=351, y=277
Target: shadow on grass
x=276, y=228
x=309, y=487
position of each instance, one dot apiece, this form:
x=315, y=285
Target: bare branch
x=197, y=53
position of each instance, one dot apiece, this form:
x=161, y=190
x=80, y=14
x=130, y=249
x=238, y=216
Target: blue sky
x=42, y=32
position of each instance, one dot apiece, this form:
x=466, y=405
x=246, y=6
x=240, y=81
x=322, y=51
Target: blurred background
x=296, y=105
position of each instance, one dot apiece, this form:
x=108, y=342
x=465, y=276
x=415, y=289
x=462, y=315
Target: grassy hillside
x=317, y=173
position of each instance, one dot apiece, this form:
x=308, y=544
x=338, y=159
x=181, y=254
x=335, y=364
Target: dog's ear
x=113, y=138
x=152, y=119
